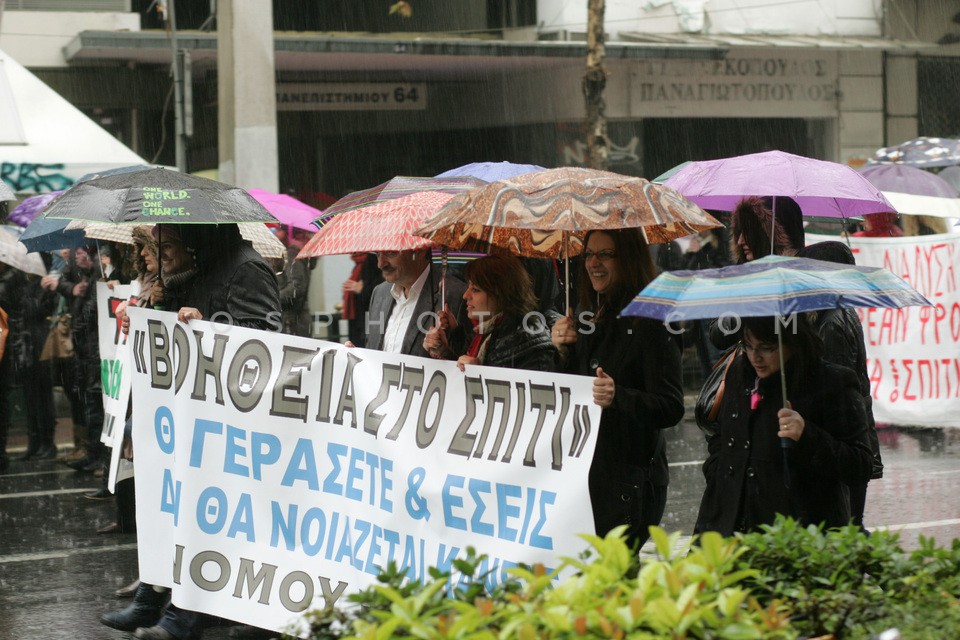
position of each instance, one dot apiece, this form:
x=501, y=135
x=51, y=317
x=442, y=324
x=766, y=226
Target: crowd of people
x=810, y=458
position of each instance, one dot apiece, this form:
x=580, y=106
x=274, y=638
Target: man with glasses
x=408, y=303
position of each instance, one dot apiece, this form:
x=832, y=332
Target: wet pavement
x=57, y=575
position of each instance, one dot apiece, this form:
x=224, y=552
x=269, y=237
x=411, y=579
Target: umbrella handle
x=103, y=276
x=566, y=271
x=785, y=443
x=773, y=234
x=443, y=277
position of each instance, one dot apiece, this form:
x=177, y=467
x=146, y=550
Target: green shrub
x=850, y=585
x=691, y=593
x=786, y=581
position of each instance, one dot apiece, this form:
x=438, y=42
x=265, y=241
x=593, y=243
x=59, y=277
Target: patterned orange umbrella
x=534, y=214
x=384, y=226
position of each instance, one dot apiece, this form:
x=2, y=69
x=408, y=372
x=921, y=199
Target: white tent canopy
x=45, y=142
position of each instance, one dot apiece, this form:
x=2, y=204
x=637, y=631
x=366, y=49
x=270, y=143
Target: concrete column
x=902, y=100
x=246, y=89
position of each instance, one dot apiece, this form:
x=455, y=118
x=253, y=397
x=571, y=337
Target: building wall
x=36, y=39
x=825, y=17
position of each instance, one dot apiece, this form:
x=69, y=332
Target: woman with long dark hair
x=637, y=383
x=797, y=460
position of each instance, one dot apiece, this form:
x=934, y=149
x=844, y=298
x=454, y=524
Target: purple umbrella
x=287, y=209
x=819, y=187
x=490, y=171
x=24, y=213
x=951, y=175
x=914, y=191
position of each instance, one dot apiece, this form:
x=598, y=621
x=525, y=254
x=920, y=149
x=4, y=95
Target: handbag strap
x=725, y=362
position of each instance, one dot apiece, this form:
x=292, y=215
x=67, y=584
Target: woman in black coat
x=637, y=382
x=508, y=330
x=751, y=476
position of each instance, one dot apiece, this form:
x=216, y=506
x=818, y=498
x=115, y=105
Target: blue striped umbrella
x=770, y=286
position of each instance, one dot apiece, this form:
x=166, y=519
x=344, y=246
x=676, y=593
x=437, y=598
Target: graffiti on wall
x=30, y=177
x=576, y=153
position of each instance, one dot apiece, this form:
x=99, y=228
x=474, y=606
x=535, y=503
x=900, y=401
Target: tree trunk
x=594, y=82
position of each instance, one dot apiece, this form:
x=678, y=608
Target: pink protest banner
x=913, y=354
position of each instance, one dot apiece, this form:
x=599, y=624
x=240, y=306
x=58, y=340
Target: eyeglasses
x=760, y=349
x=602, y=256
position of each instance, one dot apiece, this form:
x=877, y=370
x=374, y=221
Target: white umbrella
x=5, y=192
x=264, y=242
x=914, y=191
x=15, y=254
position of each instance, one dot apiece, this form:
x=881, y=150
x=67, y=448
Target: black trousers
x=37, y=384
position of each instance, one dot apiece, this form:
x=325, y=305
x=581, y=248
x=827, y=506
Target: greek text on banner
x=277, y=473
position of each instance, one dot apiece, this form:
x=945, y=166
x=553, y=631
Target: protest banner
x=913, y=354
x=114, y=373
x=277, y=473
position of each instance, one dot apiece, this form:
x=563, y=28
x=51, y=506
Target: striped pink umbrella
x=382, y=226
x=396, y=188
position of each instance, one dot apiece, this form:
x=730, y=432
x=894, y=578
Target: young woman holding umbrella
x=746, y=468
x=508, y=330
x=637, y=382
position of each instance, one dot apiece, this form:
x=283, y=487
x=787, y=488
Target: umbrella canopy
x=383, y=226
x=116, y=171
x=669, y=173
x=490, y=171
x=6, y=193
x=770, y=286
x=48, y=234
x=24, y=213
x=13, y=253
x=531, y=215
x=921, y=152
x=914, y=191
x=259, y=236
x=287, y=209
x=820, y=188
x=396, y=188
x=154, y=196
x=952, y=176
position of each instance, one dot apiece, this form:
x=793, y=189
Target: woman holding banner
x=797, y=461
x=508, y=330
x=637, y=382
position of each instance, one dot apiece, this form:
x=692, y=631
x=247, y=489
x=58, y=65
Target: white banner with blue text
x=277, y=473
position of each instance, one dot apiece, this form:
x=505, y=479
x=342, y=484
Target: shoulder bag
x=707, y=409
x=59, y=342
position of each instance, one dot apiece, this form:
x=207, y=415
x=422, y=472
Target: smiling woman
x=636, y=370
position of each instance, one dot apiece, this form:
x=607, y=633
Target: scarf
x=172, y=282
x=146, y=298
x=481, y=338
x=349, y=311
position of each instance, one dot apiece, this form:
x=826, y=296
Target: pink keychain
x=755, y=396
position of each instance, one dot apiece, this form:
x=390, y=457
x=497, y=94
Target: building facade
x=363, y=95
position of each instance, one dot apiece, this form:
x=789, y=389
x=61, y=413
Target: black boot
x=46, y=452
x=31, y=451
x=144, y=611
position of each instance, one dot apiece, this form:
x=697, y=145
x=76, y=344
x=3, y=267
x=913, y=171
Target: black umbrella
x=156, y=195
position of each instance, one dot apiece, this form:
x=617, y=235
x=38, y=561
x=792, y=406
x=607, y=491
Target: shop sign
x=765, y=83
x=354, y=96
